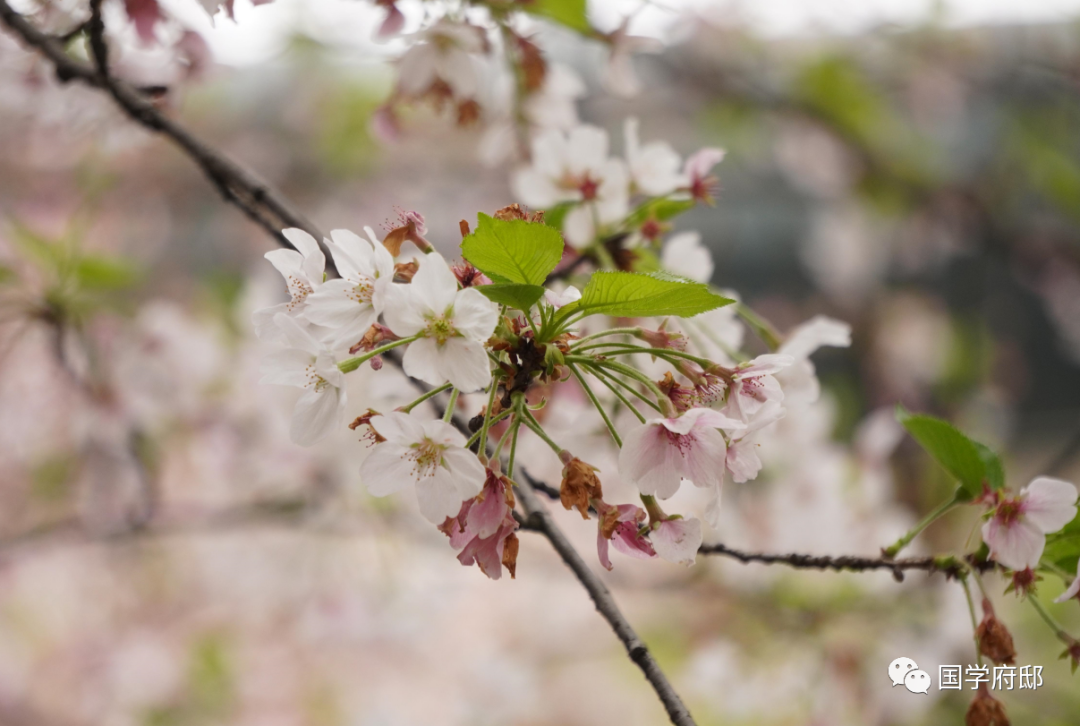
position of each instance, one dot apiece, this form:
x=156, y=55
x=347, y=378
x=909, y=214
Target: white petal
x=535, y=188
x=316, y=414
x=578, y=226
x=287, y=368
x=685, y=255
x=466, y=469
x=297, y=335
x=438, y=496
x=475, y=317
x=402, y=311
x=265, y=327
x=302, y=241
x=587, y=149
x=420, y=362
x=704, y=460
x=288, y=262
x=815, y=333
x=1049, y=503
x=677, y=540
x=398, y=427
x=387, y=469
x=1072, y=590
x=332, y=305
x=743, y=461
x=434, y=284
x=464, y=363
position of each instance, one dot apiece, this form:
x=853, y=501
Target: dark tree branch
x=538, y=518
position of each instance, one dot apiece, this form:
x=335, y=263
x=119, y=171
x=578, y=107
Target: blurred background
x=168, y=557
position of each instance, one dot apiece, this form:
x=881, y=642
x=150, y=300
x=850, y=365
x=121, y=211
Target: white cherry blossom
x=442, y=54
x=654, y=167
x=453, y=326
x=684, y=255
x=351, y=304
x=753, y=385
x=310, y=365
x=575, y=167
x=431, y=456
x=1016, y=532
x=303, y=270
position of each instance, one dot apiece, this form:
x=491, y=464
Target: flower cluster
x=488, y=324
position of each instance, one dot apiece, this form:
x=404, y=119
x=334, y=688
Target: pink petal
x=1073, y=589
x=1049, y=503
x=1016, y=546
x=677, y=540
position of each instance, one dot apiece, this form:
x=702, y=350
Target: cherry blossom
x=1073, y=590
x=303, y=270
x=310, y=365
x=742, y=455
x=441, y=62
x=350, y=305
x=575, y=167
x=799, y=380
x=452, y=324
x=685, y=255
x=677, y=540
x=428, y=454
x=620, y=525
x=1016, y=531
x=484, y=528
x=618, y=76
x=701, y=182
x=654, y=167
x=565, y=296
x=656, y=456
x=753, y=385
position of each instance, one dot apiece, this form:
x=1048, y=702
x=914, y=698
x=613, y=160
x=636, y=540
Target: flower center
x=683, y=442
x=314, y=381
x=440, y=328
x=426, y=456
x=299, y=289
x=362, y=293
x=1008, y=512
x=585, y=185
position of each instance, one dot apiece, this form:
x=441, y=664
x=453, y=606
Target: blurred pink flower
x=677, y=540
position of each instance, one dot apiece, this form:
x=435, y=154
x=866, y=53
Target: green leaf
x=104, y=273
x=659, y=209
x=521, y=297
x=636, y=295
x=513, y=251
x=969, y=462
x=570, y=13
x=1063, y=547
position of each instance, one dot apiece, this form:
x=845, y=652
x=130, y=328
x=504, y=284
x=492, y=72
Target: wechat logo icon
x=905, y=672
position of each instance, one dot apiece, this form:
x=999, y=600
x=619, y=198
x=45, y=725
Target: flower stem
x=605, y=375
x=894, y=549
x=974, y=619
x=596, y=402
x=450, y=406
x=618, y=394
x=762, y=327
x=630, y=349
x=656, y=514
x=610, y=331
x=433, y=392
x=1059, y=631
x=351, y=364
x=482, y=450
x=496, y=419
x=513, y=445
x=529, y=420
x=631, y=372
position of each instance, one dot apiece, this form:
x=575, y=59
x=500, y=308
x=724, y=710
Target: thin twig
x=950, y=566
x=539, y=519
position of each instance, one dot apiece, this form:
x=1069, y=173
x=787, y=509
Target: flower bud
x=580, y=484
x=377, y=363
x=995, y=641
x=985, y=710
x=1023, y=582
x=662, y=339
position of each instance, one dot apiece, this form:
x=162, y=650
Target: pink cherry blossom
x=483, y=525
x=697, y=170
x=1016, y=532
x=753, y=385
x=657, y=455
x=621, y=525
x=677, y=540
